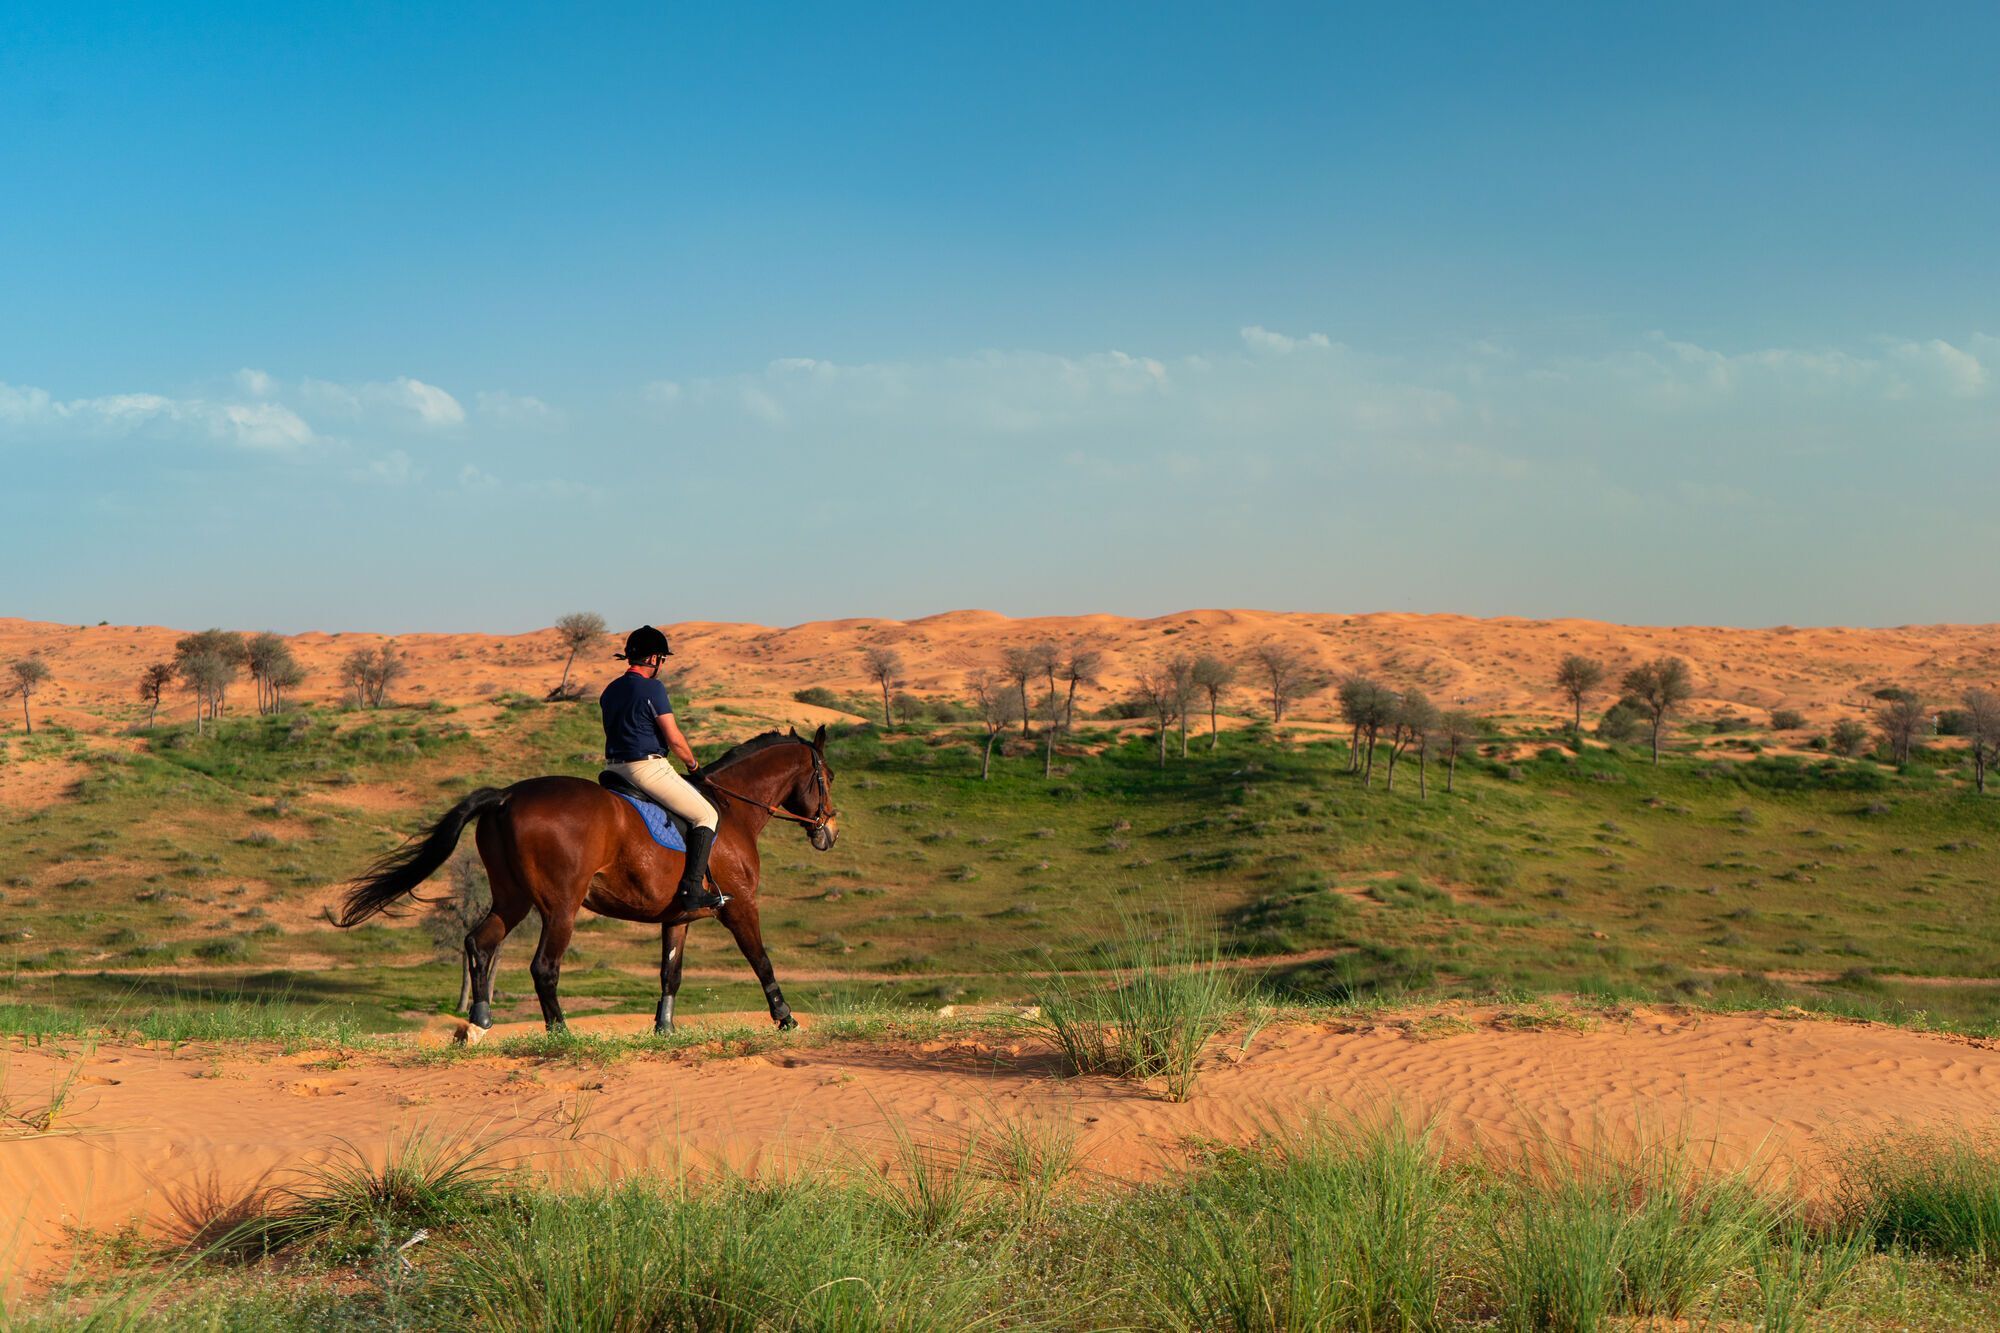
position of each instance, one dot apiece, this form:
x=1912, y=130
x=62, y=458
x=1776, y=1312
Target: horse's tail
x=415, y=861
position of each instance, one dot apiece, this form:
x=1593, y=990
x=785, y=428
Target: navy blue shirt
x=631, y=705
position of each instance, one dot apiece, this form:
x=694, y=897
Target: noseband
x=814, y=823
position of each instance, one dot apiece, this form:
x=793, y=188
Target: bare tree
x=1456, y=730
x=1080, y=666
x=1156, y=690
x=29, y=673
x=1180, y=670
x=372, y=675
x=1411, y=719
x=1286, y=676
x=1579, y=677
x=272, y=668
x=1982, y=732
x=1021, y=665
x=884, y=666
x=1657, y=689
x=207, y=673
x=1050, y=711
x=153, y=682
x=1213, y=677
x=227, y=653
x=1368, y=707
x=576, y=631
x=998, y=705
x=355, y=669
x=1901, y=720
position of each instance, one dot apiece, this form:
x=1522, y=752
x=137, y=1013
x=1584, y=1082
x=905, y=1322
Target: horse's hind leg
x=482, y=942
x=740, y=915
x=546, y=967
x=673, y=952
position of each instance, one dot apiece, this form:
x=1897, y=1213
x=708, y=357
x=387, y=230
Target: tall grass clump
x=1339, y=1227
x=1938, y=1193
x=425, y=1181
x=1652, y=1233
x=1799, y=1272
x=1152, y=1021
x=805, y=1254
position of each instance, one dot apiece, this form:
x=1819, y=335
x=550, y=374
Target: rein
x=816, y=822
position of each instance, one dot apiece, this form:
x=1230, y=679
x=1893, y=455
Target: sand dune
x=152, y=1126
x=1498, y=666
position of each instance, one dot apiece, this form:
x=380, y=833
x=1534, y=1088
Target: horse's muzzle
x=823, y=836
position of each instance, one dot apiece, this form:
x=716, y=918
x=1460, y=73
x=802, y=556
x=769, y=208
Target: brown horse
x=559, y=844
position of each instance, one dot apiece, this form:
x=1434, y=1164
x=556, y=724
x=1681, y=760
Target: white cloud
x=400, y=401
x=514, y=408
x=1260, y=339
x=251, y=425
x=255, y=382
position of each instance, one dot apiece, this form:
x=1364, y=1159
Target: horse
x=558, y=844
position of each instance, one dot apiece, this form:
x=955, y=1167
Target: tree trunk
x=1450, y=769
x=1368, y=767
x=1395, y=748
x=1656, y=742
x=1183, y=733
x=1069, y=709
x=1423, y=788
x=1163, y=742
x=1277, y=706
x=1354, y=751
x=1577, y=726
x=888, y=720
x=1213, y=738
x=986, y=765
x=24, y=713
x=1024, y=706
x=563, y=688
x=1049, y=747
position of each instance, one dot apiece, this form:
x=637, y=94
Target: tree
x=1368, y=707
x=1901, y=721
x=1412, y=718
x=1982, y=732
x=1848, y=737
x=1020, y=666
x=884, y=666
x=371, y=674
x=1456, y=731
x=1180, y=670
x=227, y=653
x=1213, y=677
x=153, y=682
x=29, y=674
x=576, y=631
x=272, y=667
x=1080, y=666
x=993, y=696
x=1579, y=677
x=207, y=673
x=1285, y=674
x=1657, y=689
x=1157, y=692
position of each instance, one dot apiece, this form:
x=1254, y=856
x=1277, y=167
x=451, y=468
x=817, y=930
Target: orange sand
x=151, y=1127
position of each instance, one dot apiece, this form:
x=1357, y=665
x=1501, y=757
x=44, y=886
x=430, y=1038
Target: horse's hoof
x=474, y=1034
x=786, y=1022
x=663, y=1029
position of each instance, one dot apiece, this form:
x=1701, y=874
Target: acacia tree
x=272, y=668
x=371, y=675
x=1285, y=675
x=1368, y=707
x=576, y=631
x=29, y=673
x=1411, y=719
x=1982, y=732
x=993, y=696
x=285, y=675
x=207, y=673
x=1180, y=669
x=884, y=666
x=1901, y=720
x=1579, y=677
x=153, y=682
x=1456, y=730
x=1657, y=689
x=1020, y=666
x=1156, y=691
x=1080, y=666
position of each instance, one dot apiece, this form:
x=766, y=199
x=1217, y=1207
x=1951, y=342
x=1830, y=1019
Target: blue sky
x=408, y=317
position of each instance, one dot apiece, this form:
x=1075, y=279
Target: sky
x=416, y=317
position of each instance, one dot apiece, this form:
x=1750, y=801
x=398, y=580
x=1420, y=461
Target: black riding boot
x=694, y=892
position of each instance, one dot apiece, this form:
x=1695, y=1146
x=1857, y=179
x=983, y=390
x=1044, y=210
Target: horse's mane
x=755, y=745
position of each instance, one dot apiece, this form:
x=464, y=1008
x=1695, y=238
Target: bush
x=1787, y=719
x=1152, y=1025
x=819, y=696
x=1621, y=722
x=1848, y=738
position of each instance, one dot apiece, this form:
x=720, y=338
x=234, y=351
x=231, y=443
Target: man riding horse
x=638, y=722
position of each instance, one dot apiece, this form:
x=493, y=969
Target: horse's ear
x=819, y=737
x=793, y=730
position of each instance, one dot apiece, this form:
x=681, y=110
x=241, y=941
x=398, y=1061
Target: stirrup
x=698, y=900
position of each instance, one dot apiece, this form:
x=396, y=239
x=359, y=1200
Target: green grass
x=1352, y=1224
x=1149, y=1021
x=1935, y=1193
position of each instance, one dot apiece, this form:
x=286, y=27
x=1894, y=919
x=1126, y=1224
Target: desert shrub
x=1953, y=722
x=1787, y=719
x=1848, y=737
x=819, y=696
x=1621, y=722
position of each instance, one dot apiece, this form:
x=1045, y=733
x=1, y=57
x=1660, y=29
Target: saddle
x=668, y=829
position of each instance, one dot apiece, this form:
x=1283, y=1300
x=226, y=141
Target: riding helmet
x=645, y=642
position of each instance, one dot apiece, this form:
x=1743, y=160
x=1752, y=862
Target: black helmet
x=645, y=642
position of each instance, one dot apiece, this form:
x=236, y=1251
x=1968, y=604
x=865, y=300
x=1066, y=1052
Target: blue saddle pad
x=664, y=830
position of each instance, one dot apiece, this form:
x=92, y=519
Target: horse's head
x=810, y=797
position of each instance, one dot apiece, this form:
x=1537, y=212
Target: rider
x=638, y=725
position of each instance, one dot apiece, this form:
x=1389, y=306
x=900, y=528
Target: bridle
x=815, y=822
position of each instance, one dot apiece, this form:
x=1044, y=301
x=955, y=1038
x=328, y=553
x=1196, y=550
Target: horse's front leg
x=673, y=952
x=740, y=916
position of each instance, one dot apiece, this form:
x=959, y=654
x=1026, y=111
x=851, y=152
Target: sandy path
x=150, y=1126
